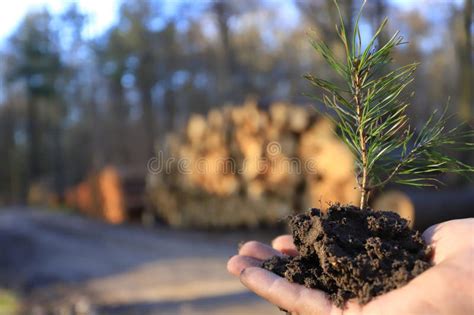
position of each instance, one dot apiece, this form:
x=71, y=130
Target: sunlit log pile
x=244, y=166
x=41, y=194
x=112, y=194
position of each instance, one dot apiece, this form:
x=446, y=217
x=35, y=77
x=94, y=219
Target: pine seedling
x=371, y=116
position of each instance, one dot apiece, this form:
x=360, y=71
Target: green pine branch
x=372, y=118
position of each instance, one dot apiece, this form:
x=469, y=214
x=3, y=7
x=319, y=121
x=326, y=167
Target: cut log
x=298, y=119
x=215, y=119
x=398, y=202
x=279, y=114
x=112, y=194
x=196, y=129
x=41, y=193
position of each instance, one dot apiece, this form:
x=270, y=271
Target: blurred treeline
x=71, y=102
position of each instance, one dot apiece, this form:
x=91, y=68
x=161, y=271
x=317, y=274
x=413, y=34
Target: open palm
x=446, y=288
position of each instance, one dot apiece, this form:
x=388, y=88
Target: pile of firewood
x=42, y=194
x=112, y=194
x=244, y=166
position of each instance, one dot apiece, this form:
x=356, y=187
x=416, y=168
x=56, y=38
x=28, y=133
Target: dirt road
x=67, y=264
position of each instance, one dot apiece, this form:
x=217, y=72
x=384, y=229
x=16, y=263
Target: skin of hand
x=445, y=288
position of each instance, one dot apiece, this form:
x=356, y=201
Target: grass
x=9, y=303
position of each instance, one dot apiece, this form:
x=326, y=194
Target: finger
x=449, y=238
x=258, y=250
x=237, y=263
x=289, y=296
x=284, y=244
x=429, y=233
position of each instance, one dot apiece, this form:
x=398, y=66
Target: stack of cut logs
x=244, y=166
x=112, y=194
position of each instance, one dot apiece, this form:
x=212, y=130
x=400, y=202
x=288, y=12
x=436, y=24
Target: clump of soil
x=352, y=253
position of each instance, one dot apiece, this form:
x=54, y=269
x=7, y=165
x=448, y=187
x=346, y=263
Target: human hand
x=446, y=288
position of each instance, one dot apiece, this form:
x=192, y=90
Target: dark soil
x=352, y=253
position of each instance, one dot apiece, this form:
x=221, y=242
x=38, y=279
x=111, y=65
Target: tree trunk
x=466, y=103
x=58, y=159
x=148, y=119
x=33, y=140
x=170, y=106
x=380, y=14
x=226, y=58
x=7, y=135
x=349, y=17
x=120, y=127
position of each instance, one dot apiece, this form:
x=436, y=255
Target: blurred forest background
x=71, y=103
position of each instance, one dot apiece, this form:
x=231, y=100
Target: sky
x=103, y=13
